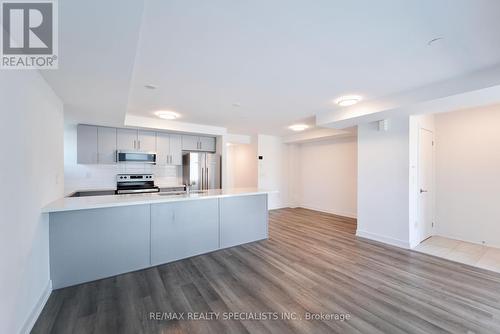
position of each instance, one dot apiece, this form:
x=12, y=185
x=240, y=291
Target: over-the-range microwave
x=136, y=156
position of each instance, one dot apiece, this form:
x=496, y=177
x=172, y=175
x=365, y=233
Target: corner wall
x=383, y=182
x=31, y=130
x=327, y=176
x=273, y=169
x=468, y=175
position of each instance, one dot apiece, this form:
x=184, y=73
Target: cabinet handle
x=139, y=144
x=135, y=145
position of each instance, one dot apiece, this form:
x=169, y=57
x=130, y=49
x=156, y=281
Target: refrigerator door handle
x=206, y=177
x=202, y=185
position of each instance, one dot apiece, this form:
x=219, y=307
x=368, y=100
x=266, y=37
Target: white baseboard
x=386, y=240
x=37, y=309
x=337, y=213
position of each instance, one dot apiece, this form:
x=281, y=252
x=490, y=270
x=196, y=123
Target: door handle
x=206, y=178
x=423, y=191
x=202, y=178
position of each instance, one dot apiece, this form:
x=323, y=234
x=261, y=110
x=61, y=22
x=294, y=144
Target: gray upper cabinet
x=190, y=143
x=98, y=144
x=136, y=140
x=168, y=149
x=176, y=150
x=86, y=144
x=146, y=141
x=195, y=143
x=162, y=148
x=126, y=139
x=106, y=145
x=207, y=144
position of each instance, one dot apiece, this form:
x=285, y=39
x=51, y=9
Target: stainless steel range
x=135, y=183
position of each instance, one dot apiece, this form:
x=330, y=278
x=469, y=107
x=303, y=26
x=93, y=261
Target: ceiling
x=259, y=66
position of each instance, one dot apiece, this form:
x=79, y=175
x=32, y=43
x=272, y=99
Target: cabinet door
x=86, y=138
x=126, y=139
x=86, y=245
x=162, y=148
x=190, y=143
x=147, y=141
x=243, y=219
x=183, y=229
x=176, y=150
x=207, y=144
x=106, y=145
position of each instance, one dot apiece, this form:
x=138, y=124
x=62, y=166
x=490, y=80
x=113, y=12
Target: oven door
x=136, y=156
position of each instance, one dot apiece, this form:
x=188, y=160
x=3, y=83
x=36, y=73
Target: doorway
x=425, y=183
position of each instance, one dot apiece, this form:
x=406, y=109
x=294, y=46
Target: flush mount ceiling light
x=298, y=127
x=167, y=114
x=347, y=100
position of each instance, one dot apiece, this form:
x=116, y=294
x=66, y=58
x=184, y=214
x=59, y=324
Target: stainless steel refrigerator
x=201, y=170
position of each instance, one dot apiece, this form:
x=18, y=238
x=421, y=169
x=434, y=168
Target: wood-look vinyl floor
x=312, y=264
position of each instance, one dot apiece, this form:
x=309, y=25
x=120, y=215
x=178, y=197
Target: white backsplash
x=79, y=177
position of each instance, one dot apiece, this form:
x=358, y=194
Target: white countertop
x=107, y=201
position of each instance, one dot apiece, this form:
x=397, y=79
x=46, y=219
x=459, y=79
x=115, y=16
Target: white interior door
x=425, y=183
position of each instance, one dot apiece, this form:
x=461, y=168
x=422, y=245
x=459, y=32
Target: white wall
x=31, y=130
x=468, y=175
x=273, y=169
x=79, y=177
x=242, y=165
x=383, y=182
x=328, y=176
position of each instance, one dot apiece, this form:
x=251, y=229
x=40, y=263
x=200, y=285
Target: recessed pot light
x=298, y=127
x=167, y=114
x=348, y=100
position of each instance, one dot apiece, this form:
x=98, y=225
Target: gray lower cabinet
x=87, y=245
x=243, y=219
x=183, y=229
x=91, y=244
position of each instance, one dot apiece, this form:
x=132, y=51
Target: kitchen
x=163, y=223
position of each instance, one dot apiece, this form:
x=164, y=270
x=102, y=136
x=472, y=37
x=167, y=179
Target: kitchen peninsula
x=101, y=236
